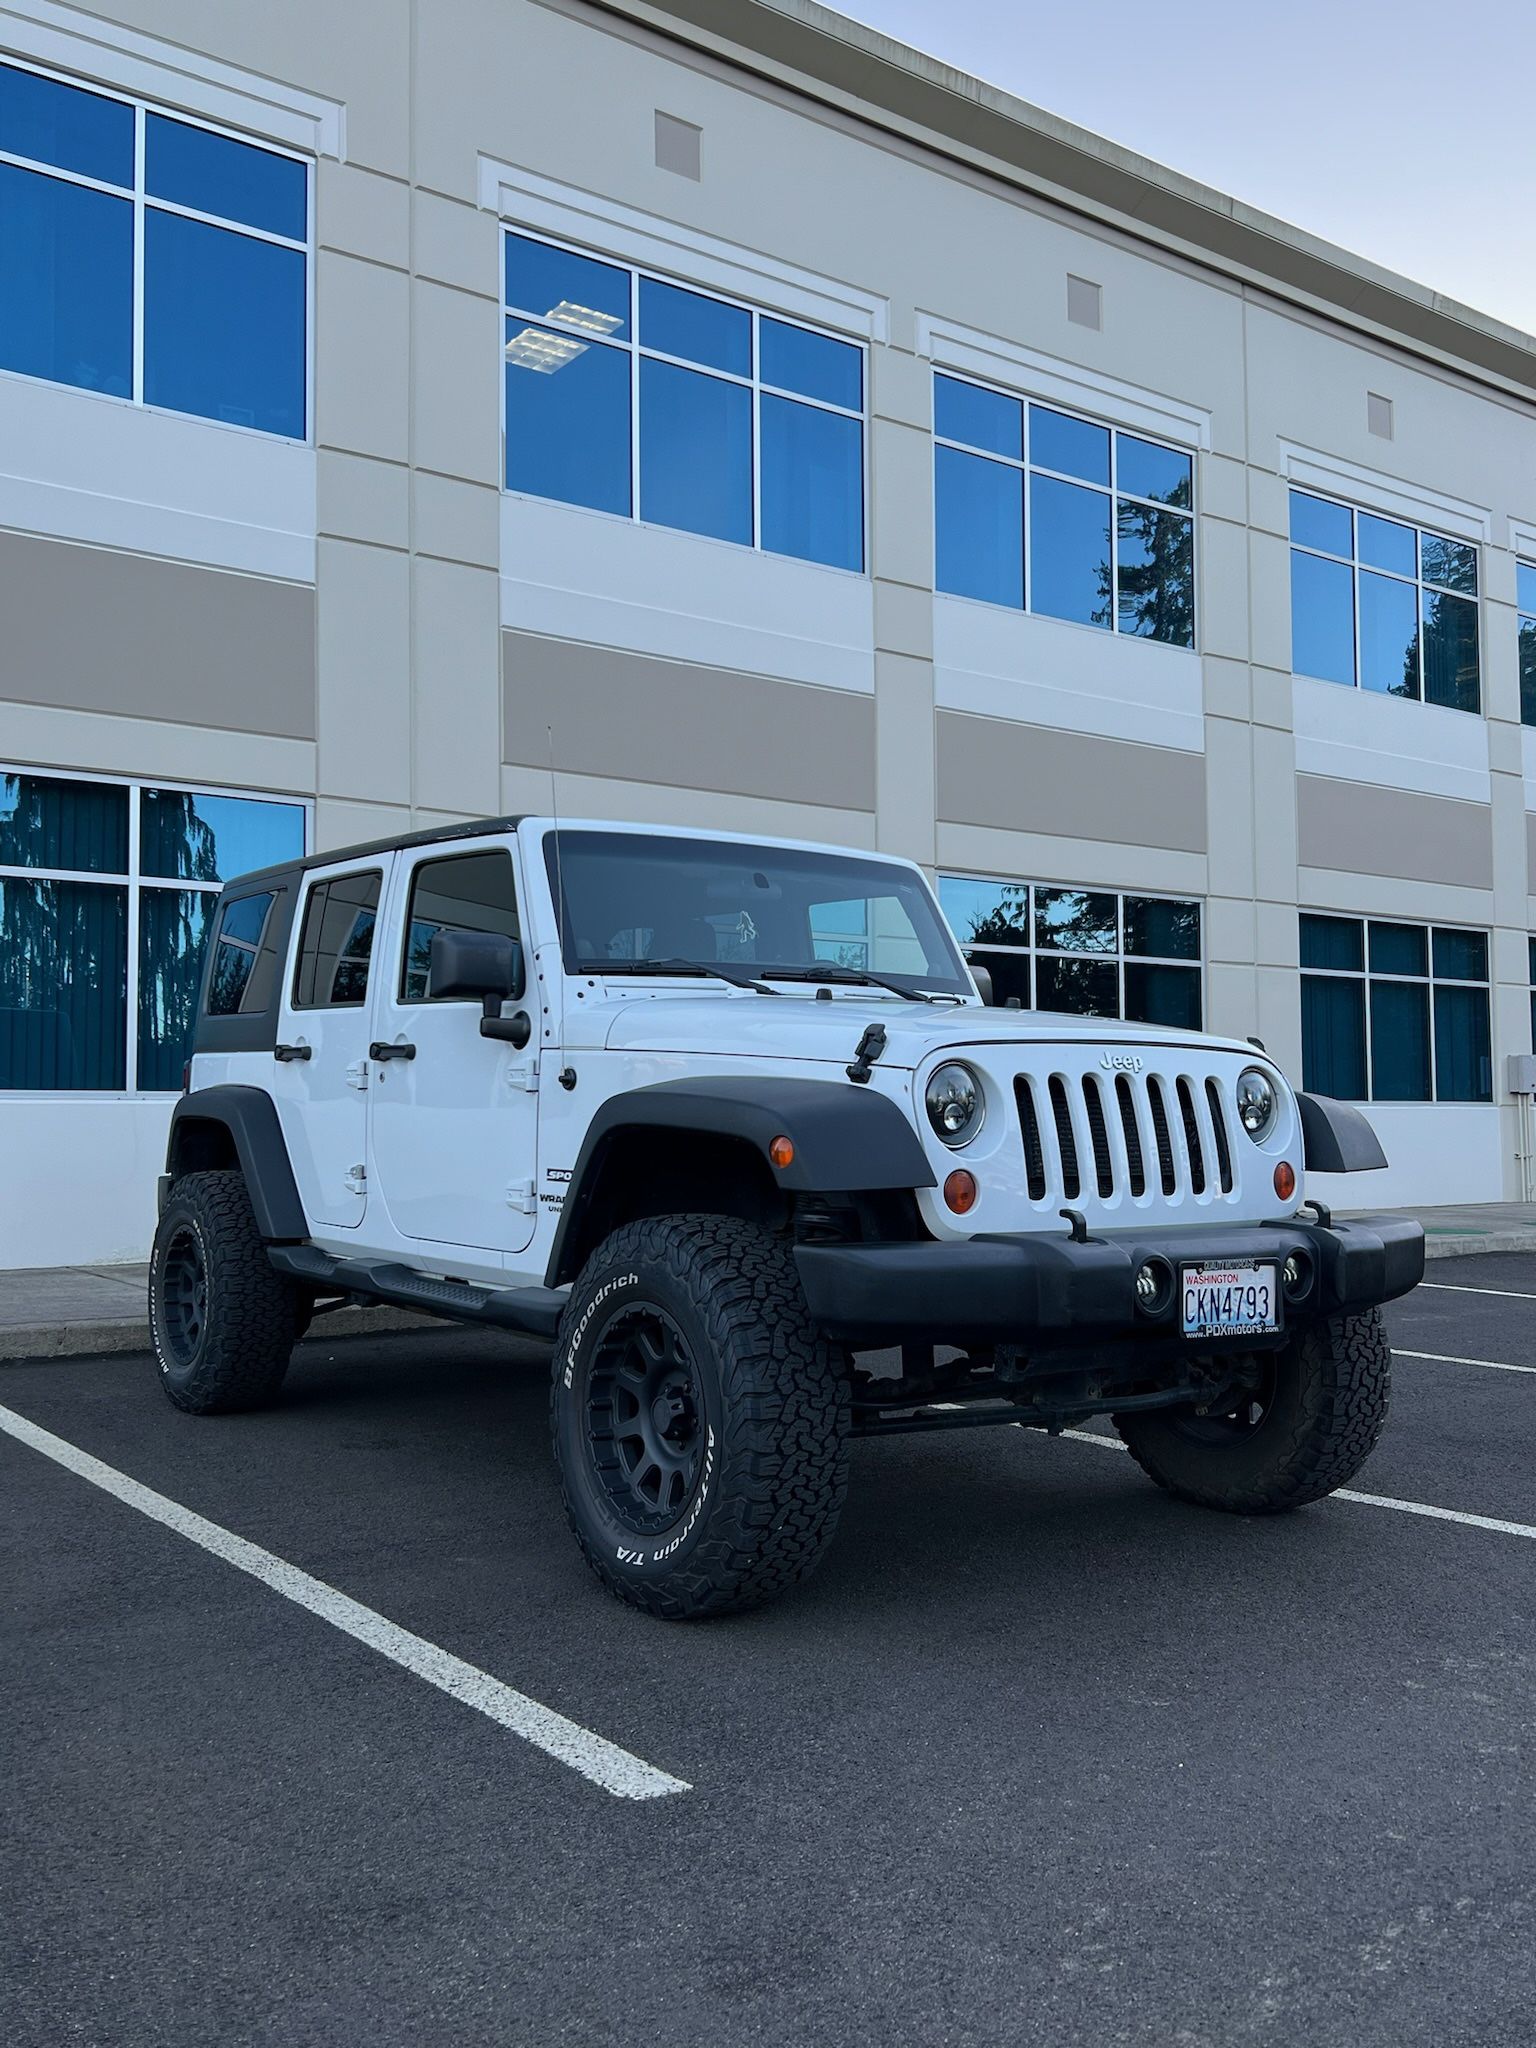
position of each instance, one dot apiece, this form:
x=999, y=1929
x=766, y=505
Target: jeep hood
x=798, y=1027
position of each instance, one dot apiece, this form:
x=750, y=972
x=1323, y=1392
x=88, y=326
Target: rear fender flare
x=208, y=1122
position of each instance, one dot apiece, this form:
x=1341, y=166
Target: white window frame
x=142, y=201
x=1033, y=951
x=135, y=881
x=1429, y=982
x=638, y=352
x=1111, y=490
x=1418, y=583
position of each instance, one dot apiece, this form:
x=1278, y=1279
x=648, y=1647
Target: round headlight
x=954, y=1103
x=1255, y=1103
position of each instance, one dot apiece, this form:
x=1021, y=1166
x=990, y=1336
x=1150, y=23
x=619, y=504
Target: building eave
x=812, y=50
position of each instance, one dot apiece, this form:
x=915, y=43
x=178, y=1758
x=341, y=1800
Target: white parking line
x=1444, y=1358
x=603, y=1762
x=1367, y=1500
x=1452, y=1287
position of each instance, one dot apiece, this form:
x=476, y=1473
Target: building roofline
x=812, y=50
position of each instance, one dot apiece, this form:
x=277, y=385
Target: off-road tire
x=771, y=1420
x=1327, y=1407
x=231, y=1354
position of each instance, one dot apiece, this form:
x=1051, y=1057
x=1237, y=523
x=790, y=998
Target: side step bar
x=532, y=1311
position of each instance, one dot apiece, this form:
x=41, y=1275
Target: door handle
x=380, y=1051
x=293, y=1052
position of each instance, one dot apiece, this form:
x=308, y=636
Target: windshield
x=632, y=897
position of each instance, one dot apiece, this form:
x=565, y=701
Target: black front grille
x=1161, y=1133
x=1034, y=1152
x=1132, y=1130
x=1098, y=1131
x=1071, y=1180
x=1219, y=1123
x=1192, y=1137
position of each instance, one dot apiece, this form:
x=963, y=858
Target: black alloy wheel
x=184, y=1295
x=645, y=1428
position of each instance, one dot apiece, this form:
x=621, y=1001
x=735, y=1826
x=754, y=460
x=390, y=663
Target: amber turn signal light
x=1285, y=1180
x=782, y=1151
x=960, y=1191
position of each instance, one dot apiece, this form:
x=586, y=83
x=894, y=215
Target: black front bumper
x=1048, y=1290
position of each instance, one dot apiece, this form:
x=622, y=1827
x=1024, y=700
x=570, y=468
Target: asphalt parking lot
x=1039, y=1755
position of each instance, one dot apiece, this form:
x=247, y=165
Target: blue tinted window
x=695, y=452
x=811, y=364
x=216, y=174
x=1389, y=635
x=571, y=291
x=1162, y=995
x=1528, y=671
x=1333, y=1037
x=49, y=822
x=982, y=419
x=1525, y=586
x=1463, y=1055
x=173, y=931
x=813, y=483
x=986, y=913
x=568, y=425
x=1386, y=545
x=195, y=838
x=59, y=124
x=1399, y=1041
x=1399, y=949
x=979, y=527
x=1315, y=523
x=1461, y=956
x=1156, y=574
x=1149, y=471
x=1069, y=572
x=702, y=330
x=63, y=984
x=1057, y=441
x=1450, y=563
x=66, y=302
x=1322, y=619
x=223, y=325
x=1450, y=651
x=1336, y=942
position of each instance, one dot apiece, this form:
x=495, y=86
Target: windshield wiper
x=737, y=980
x=855, y=977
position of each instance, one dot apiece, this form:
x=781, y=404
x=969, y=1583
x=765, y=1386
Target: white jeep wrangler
x=727, y=1120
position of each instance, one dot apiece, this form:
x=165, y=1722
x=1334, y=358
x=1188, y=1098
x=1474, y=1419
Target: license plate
x=1235, y=1300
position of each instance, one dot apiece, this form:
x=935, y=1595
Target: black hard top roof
x=432, y=835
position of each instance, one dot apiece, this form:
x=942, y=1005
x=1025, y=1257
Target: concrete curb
x=103, y=1337
x=1466, y=1244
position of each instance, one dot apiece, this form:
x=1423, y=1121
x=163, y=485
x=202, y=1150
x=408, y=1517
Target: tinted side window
x=337, y=942
x=244, y=960
x=466, y=892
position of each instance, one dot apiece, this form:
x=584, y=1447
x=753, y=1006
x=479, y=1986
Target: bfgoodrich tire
x=222, y=1320
x=700, y=1422
x=1314, y=1420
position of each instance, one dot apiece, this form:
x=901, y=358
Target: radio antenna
x=567, y=1074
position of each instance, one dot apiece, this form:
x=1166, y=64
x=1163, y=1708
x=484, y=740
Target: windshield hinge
x=870, y=1047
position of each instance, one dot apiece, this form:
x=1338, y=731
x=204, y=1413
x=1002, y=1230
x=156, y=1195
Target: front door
x=320, y=1073
x=453, y=1116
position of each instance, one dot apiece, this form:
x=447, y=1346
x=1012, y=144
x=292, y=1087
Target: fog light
x=1285, y=1180
x=960, y=1191
x=1298, y=1275
x=1154, y=1287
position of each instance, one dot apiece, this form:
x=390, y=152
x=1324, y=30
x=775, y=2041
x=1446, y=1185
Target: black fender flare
x=249, y=1115
x=846, y=1138
x=1336, y=1137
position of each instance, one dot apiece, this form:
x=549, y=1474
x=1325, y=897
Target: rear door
x=453, y=1117
x=320, y=1064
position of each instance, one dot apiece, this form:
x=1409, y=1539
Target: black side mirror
x=983, y=980
x=470, y=964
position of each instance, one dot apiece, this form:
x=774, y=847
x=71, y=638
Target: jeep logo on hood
x=1122, y=1062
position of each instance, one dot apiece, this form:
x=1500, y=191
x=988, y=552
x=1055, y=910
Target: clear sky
x=1402, y=129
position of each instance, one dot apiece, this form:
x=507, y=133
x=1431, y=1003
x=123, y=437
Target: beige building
x=763, y=427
